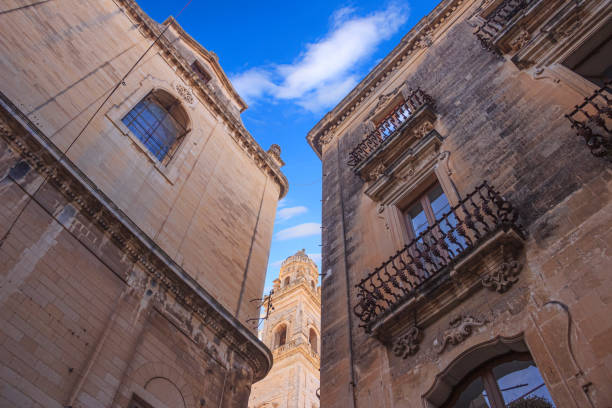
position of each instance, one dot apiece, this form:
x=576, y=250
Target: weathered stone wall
x=74, y=331
x=502, y=125
x=120, y=275
x=202, y=208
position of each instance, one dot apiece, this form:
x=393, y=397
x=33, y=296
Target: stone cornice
x=290, y=290
x=211, y=58
x=239, y=133
x=28, y=143
x=419, y=37
x=293, y=348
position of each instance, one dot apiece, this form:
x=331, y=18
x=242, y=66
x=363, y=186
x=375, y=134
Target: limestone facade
x=434, y=282
x=126, y=270
x=292, y=331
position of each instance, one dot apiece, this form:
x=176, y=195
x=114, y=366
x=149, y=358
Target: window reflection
x=511, y=381
x=520, y=381
x=474, y=396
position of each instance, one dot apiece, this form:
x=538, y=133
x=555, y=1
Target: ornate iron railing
x=592, y=120
x=497, y=21
x=456, y=233
x=391, y=124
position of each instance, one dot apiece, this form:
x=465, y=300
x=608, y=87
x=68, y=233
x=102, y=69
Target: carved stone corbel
x=503, y=278
x=423, y=129
x=460, y=328
x=407, y=344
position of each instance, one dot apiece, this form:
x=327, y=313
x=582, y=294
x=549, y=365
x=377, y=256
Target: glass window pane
x=151, y=123
x=473, y=396
x=520, y=383
x=417, y=217
x=439, y=202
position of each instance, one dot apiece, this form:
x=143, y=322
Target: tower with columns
x=292, y=332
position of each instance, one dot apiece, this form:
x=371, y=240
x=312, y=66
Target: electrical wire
x=63, y=153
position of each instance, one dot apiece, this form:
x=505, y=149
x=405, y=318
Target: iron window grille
x=160, y=123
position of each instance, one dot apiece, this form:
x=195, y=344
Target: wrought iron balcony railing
x=461, y=230
x=592, y=120
x=498, y=20
x=389, y=126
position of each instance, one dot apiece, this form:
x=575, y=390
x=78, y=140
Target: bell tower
x=292, y=332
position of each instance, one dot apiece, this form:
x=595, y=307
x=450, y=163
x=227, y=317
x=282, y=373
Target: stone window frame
x=467, y=362
x=426, y=171
x=317, y=335
x=117, y=112
x=276, y=329
x=539, y=44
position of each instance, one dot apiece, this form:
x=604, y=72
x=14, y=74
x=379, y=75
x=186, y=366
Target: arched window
x=312, y=284
x=312, y=339
x=159, y=122
x=280, y=336
x=287, y=280
x=510, y=381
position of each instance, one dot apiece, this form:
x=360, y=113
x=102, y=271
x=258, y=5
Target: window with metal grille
x=159, y=122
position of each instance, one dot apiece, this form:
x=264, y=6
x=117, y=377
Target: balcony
x=480, y=235
x=414, y=116
x=494, y=26
x=592, y=120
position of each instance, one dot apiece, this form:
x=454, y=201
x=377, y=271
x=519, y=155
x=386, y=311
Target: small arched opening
x=287, y=281
x=280, y=336
x=312, y=339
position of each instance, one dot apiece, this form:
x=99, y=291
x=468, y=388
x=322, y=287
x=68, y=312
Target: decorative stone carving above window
x=539, y=33
x=398, y=130
x=460, y=328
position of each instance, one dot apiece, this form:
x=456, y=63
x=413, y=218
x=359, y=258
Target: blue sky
x=292, y=62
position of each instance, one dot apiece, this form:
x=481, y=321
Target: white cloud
x=253, y=83
x=302, y=230
x=327, y=69
x=289, y=212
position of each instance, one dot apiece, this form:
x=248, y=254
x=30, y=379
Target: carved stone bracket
x=460, y=328
x=408, y=343
x=503, y=278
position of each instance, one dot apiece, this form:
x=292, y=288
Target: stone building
x=467, y=214
x=292, y=331
x=136, y=214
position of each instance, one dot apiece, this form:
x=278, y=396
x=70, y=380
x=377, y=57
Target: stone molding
x=460, y=328
x=182, y=68
x=503, y=278
x=419, y=38
x=297, y=347
x=408, y=343
x=28, y=143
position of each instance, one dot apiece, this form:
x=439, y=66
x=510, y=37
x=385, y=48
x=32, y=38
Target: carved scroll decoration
x=503, y=278
x=460, y=328
x=408, y=343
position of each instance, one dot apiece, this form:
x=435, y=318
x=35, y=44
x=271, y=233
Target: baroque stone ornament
x=377, y=172
x=503, y=278
x=422, y=130
x=185, y=93
x=520, y=41
x=408, y=343
x=460, y=328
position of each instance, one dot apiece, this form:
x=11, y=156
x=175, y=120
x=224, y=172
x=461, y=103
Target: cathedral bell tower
x=292, y=332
